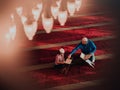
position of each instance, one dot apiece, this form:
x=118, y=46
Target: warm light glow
x=58, y=2
x=12, y=32
x=78, y=4
x=37, y=11
x=62, y=17
x=40, y=6
x=19, y=10
x=54, y=11
x=47, y=23
x=12, y=16
x=7, y=38
x=23, y=19
x=30, y=29
x=36, y=14
x=71, y=8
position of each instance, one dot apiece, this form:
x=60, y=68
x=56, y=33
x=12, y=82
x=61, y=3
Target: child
x=60, y=59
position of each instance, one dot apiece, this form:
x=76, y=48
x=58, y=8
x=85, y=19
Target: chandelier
x=47, y=11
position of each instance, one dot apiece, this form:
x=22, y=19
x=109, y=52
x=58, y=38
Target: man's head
x=84, y=40
x=61, y=50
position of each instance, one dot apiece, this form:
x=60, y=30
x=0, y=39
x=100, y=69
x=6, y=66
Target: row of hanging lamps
x=30, y=29
x=48, y=10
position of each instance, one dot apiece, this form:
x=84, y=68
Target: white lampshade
x=37, y=11
x=23, y=19
x=62, y=17
x=47, y=23
x=40, y=6
x=78, y=4
x=71, y=8
x=54, y=11
x=7, y=38
x=19, y=10
x=12, y=31
x=58, y=2
x=30, y=30
x=12, y=16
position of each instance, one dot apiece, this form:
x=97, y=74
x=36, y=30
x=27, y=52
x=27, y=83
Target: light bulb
x=47, y=23
x=78, y=4
x=19, y=10
x=62, y=17
x=54, y=11
x=30, y=30
x=12, y=31
x=71, y=8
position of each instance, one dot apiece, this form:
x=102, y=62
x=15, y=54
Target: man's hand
x=69, y=56
x=87, y=56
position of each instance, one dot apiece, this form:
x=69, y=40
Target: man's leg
x=91, y=61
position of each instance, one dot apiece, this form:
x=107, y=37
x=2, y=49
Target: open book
x=82, y=55
x=68, y=61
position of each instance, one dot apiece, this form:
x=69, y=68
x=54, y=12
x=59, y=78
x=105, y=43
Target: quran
x=82, y=55
x=68, y=61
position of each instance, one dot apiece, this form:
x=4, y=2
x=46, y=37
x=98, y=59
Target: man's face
x=84, y=42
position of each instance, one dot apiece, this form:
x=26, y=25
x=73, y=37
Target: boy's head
x=61, y=50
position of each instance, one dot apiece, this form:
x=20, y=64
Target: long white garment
x=82, y=55
x=91, y=63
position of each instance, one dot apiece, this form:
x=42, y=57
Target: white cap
x=84, y=39
x=62, y=50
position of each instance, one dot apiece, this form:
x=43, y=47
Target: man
x=88, y=49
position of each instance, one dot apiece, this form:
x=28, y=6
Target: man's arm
x=74, y=50
x=93, y=47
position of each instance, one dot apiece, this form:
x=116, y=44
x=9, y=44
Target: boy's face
x=62, y=53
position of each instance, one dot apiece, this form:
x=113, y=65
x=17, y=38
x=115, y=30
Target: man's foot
x=90, y=63
x=93, y=63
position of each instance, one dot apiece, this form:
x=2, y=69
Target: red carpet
x=70, y=35
x=77, y=21
x=50, y=78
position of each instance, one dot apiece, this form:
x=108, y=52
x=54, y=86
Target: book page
x=82, y=55
x=68, y=61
